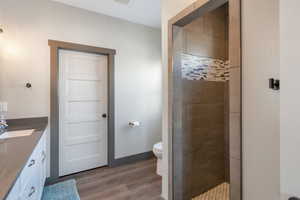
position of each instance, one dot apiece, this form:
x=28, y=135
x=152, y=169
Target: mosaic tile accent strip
x=203, y=68
x=221, y=192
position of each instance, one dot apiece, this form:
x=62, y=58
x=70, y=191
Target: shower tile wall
x=205, y=107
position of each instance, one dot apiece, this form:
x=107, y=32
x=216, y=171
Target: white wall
x=260, y=46
x=25, y=56
x=289, y=97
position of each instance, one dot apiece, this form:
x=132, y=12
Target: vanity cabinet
x=30, y=183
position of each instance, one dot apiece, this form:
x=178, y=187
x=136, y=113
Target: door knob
x=104, y=115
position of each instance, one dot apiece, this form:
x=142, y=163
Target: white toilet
x=158, y=152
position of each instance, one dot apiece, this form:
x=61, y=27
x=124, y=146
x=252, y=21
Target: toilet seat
x=158, y=150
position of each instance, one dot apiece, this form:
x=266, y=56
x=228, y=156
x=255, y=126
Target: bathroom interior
x=211, y=92
x=201, y=163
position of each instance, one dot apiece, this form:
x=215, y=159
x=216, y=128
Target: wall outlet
x=3, y=107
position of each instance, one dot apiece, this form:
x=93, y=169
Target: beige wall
x=25, y=56
x=289, y=97
x=260, y=104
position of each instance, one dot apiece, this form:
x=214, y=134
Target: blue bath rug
x=66, y=190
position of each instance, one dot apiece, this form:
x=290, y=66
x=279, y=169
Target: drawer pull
x=44, y=156
x=32, y=191
x=32, y=162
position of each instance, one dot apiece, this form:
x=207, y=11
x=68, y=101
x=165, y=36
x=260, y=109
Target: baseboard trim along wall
x=114, y=163
x=132, y=159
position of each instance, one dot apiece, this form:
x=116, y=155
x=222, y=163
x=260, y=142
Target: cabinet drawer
x=30, y=168
x=32, y=189
x=34, y=163
x=42, y=166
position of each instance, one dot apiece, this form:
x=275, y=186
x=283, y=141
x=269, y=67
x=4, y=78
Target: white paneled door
x=82, y=111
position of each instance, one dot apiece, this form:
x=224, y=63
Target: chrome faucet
x=3, y=126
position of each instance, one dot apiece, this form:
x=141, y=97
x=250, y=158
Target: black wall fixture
x=28, y=85
x=274, y=84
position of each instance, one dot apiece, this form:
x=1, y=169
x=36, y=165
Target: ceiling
x=146, y=12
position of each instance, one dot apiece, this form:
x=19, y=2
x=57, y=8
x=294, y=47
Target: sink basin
x=15, y=134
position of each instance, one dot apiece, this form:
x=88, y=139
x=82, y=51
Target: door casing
x=55, y=46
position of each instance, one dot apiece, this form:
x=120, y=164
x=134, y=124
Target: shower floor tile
x=221, y=192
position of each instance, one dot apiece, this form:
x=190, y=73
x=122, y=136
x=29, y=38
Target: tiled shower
x=201, y=108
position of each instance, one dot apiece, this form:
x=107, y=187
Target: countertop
x=15, y=152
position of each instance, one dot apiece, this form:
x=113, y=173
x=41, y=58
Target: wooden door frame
x=55, y=46
x=186, y=16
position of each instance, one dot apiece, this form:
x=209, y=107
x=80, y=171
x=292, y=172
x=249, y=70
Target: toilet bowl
x=158, y=152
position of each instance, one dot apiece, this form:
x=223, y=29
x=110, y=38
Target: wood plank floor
x=137, y=181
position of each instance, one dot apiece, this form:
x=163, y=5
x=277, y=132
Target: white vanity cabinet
x=30, y=183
